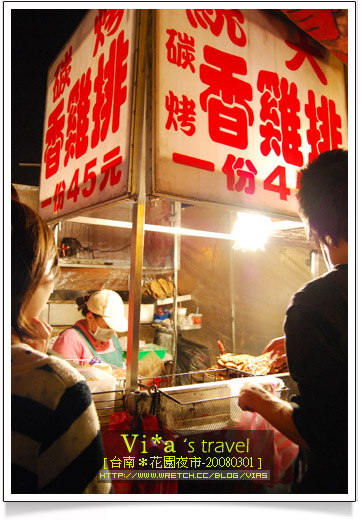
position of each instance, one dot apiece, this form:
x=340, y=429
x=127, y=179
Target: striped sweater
x=56, y=445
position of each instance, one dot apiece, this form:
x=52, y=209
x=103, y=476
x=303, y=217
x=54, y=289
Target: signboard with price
x=86, y=141
x=243, y=99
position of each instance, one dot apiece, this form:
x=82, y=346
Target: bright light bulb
x=251, y=231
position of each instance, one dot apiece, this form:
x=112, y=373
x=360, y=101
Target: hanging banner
x=243, y=99
x=86, y=141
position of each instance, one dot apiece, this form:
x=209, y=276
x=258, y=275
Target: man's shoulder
x=330, y=287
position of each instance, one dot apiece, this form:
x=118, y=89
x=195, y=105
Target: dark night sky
x=37, y=36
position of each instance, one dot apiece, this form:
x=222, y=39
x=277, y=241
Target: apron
x=113, y=358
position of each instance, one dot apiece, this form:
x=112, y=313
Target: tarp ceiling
x=329, y=27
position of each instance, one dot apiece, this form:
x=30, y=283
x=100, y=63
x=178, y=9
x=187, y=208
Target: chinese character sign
x=243, y=99
x=87, y=122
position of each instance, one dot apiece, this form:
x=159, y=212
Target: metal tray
x=204, y=407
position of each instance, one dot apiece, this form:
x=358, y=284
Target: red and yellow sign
x=243, y=99
x=88, y=115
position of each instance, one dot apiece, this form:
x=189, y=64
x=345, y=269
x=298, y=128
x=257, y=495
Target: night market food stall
x=164, y=129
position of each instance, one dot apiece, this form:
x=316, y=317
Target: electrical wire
x=110, y=250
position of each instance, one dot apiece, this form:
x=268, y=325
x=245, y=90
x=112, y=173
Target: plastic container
x=196, y=318
x=181, y=313
x=270, y=382
x=157, y=349
x=160, y=351
x=102, y=386
x=161, y=314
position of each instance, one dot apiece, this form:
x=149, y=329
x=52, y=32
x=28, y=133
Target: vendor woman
x=96, y=334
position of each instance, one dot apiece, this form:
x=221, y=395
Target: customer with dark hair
x=56, y=446
x=14, y=194
x=316, y=339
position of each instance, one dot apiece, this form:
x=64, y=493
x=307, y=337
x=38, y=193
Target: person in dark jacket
x=316, y=340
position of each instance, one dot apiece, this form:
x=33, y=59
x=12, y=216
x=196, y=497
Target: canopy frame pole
x=138, y=214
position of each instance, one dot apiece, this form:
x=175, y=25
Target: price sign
x=243, y=99
x=86, y=141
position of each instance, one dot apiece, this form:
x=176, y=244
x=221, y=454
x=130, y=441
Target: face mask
x=103, y=334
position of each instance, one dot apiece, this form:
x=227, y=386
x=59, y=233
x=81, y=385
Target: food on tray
x=160, y=288
x=255, y=365
x=119, y=373
x=97, y=363
x=221, y=347
x=166, y=286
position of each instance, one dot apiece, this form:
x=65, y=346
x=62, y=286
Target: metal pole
x=135, y=295
x=176, y=267
x=232, y=295
x=138, y=216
